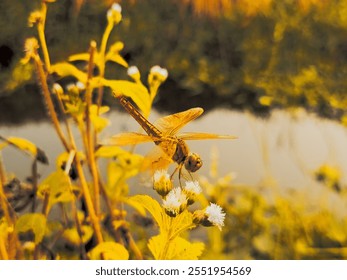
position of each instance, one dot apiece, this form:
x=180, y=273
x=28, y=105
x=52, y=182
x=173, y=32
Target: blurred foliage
x=253, y=55
x=264, y=222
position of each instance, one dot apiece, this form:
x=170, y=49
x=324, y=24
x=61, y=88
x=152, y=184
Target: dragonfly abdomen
x=150, y=129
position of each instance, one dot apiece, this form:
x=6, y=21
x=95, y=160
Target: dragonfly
x=164, y=133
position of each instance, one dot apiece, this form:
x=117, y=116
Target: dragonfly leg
x=191, y=176
x=173, y=173
x=179, y=168
x=179, y=176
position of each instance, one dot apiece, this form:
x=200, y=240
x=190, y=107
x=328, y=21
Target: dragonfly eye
x=193, y=162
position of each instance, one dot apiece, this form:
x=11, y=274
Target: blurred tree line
x=243, y=54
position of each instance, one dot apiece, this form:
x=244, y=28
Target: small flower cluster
x=30, y=48
x=72, y=93
x=177, y=199
x=157, y=74
x=35, y=17
x=114, y=14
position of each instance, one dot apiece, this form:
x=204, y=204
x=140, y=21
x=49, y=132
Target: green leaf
x=113, y=54
x=109, y=251
x=116, y=46
x=98, y=122
x=137, y=92
x=117, y=58
x=53, y=227
x=58, y=185
x=79, y=56
x=86, y=57
x=109, y=152
x=25, y=146
x=116, y=186
x=153, y=207
x=35, y=222
x=162, y=247
x=180, y=223
x=136, y=205
x=65, y=69
x=72, y=236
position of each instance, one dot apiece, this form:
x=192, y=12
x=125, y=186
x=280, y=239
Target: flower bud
x=114, y=14
x=57, y=89
x=162, y=182
x=29, y=246
x=35, y=18
x=134, y=73
x=81, y=86
x=157, y=75
x=30, y=48
x=72, y=89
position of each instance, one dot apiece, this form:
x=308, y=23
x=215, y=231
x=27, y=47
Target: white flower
x=133, y=70
x=155, y=69
x=70, y=86
x=175, y=202
x=193, y=187
x=81, y=86
x=116, y=7
x=134, y=73
x=57, y=89
x=215, y=215
x=162, y=72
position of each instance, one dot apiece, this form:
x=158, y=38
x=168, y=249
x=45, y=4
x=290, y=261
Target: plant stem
x=86, y=192
x=41, y=32
x=3, y=199
x=34, y=176
x=74, y=208
x=45, y=204
x=133, y=246
x=2, y=171
x=88, y=199
x=90, y=134
x=3, y=250
x=102, y=53
x=47, y=97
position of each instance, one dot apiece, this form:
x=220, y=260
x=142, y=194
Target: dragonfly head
x=192, y=162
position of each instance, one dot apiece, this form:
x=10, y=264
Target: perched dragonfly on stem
x=163, y=133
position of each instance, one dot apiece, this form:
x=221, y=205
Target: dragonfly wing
x=169, y=125
x=202, y=136
x=156, y=159
x=129, y=138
